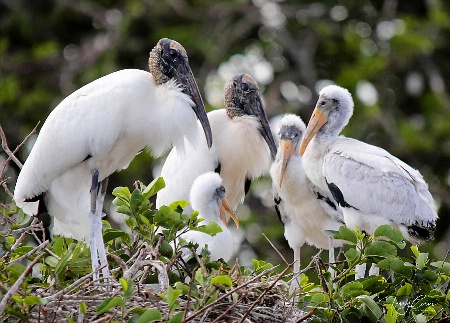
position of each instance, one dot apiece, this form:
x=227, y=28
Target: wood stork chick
x=371, y=186
x=208, y=197
x=242, y=149
x=304, y=209
x=99, y=129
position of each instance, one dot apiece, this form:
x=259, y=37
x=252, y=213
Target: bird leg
x=331, y=258
x=374, y=270
x=360, y=270
x=98, y=253
x=93, y=244
x=100, y=243
x=295, y=284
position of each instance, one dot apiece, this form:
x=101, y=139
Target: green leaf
x=172, y=296
x=381, y=249
x=51, y=261
x=374, y=284
x=442, y=267
x=150, y=315
x=405, y=290
x=388, y=232
x=122, y=193
x=212, y=228
x=124, y=210
x=111, y=234
x=130, y=289
x=352, y=255
x=391, y=313
x=175, y=205
x=396, y=265
x=34, y=300
x=123, y=282
x=422, y=260
x=213, y=297
x=15, y=270
x=83, y=308
x=222, y=280
x=20, y=251
x=430, y=276
x=261, y=265
x=135, y=200
x=154, y=187
x=371, y=308
x=318, y=298
x=137, y=310
x=109, y=303
x=352, y=289
x=183, y=287
x=199, y=276
x=58, y=245
x=415, y=251
x=177, y=318
x=346, y=234
x=61, y=266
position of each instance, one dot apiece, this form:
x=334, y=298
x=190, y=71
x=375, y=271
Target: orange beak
x=287, y=149
x=225, y=207
x=316, y=122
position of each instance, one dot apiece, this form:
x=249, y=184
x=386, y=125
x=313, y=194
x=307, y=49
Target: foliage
x=391, y=55
x=412, y=288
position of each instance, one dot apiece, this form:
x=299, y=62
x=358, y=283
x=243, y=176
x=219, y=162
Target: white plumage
x=241, y=151
x=99, y=129
x=207, y=196
x=371, y=186
x=305, y=210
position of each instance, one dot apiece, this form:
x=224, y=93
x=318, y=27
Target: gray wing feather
x=375, y=182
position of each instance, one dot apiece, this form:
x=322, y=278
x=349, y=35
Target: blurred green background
x=393, y=56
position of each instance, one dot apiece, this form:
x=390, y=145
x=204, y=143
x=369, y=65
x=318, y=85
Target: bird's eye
x=322, y=103
x=173, y=53
x=244, y=87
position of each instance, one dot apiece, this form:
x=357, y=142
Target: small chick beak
x=226, y=207
x=316, y=122
x=287, y=149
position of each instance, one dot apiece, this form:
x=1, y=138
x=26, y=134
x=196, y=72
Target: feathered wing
x=182, y=168
x=371, y=180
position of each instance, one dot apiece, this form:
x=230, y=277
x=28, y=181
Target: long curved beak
x=186, y=78
x=318, y=119
x=265, y=131
x=225, y=207
x=287, y=149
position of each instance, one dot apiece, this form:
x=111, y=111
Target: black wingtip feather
x=424, y=233
x=277, y=201
x=338, y=196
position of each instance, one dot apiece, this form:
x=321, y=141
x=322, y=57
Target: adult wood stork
x=304, y=209
x=242, y=149
x=371, y=186
x=99, y=129
x=208, y=197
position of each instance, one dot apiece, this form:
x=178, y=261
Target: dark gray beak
x=256, y=109
x=185, y=77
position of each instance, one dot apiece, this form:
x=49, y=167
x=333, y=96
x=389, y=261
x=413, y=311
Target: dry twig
x=264, y=293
